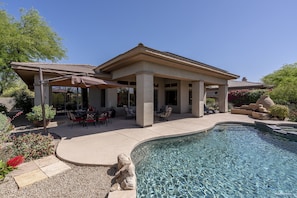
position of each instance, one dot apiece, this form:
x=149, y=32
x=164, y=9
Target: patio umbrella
x=84, y=82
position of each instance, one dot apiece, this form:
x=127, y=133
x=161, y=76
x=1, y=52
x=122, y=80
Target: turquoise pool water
x=231, y=160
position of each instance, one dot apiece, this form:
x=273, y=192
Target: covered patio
x=154, y=78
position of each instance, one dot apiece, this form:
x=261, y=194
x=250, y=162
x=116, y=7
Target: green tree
x=284, y=81
x=283, y=75
x=28, y=39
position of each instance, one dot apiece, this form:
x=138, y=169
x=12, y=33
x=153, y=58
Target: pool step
x=287, y=131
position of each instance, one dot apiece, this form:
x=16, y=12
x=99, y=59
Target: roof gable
x=143, y=53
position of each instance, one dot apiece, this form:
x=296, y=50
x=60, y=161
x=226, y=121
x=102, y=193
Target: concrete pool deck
x=100, y=145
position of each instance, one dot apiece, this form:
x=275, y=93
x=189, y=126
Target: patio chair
x=165, y=115
x=130, y=113
x=103, y=118
x=109, y=116
x=74, y=119
x=90, y=118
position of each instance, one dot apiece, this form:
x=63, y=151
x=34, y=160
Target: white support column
x=204, y=95
x=184, y=97
x=161, y=91
x=144, y=99
x=223, y=98
x=198, y=95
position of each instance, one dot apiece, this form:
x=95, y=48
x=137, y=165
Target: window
x=171, y=97
x=125, y=96
x=190, y=97
x=122, y=97
x=171, y=85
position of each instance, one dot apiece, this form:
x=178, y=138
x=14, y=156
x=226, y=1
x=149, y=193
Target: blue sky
x=250, y=38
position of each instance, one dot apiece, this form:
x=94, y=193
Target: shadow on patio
x=64, y=128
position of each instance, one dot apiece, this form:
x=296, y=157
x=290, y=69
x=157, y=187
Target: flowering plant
x=14, y=162
x=11, y=164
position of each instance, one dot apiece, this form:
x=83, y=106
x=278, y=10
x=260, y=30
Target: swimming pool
x=231, y=160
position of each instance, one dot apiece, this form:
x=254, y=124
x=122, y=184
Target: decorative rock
x=253, y=106
x=266, y=101
x=262, y=110
x=241, y=111
x=260, y=116
x=258, y=110
x=245, y=107
x=115, y=187
x=125, y=177
x=123, y=160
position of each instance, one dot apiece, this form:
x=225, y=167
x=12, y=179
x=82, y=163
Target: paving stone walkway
x=37, y=170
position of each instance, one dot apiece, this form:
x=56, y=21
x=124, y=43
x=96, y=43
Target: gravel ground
x=80, y=181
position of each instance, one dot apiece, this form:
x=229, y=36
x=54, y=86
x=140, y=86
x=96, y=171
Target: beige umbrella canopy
x=84, y=82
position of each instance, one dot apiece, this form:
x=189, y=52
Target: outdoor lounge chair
x=103, y=118
x=165, y=115
x=129, y=113
x=208, y=110
x=90, y=118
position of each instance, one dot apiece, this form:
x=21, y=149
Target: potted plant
x=36, y=114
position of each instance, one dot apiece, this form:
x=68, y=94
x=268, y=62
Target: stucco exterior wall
x=165, y=72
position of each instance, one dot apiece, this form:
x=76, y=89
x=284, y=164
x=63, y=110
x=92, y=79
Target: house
x=153, y=78
x=244, y=84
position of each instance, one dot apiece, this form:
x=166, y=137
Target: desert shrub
x=293, y=115
x=293, y=112
x=5, y=128
x=254, y=95
x=211, y=102
x=24, y=100
x=245, y=96
x=6, y=153
x=279, y=111
x=36, y=113
x=237, y=97
x=33, y=146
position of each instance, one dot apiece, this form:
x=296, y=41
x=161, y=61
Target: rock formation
x=258, y=110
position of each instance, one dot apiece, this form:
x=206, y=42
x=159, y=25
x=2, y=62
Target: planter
x=37, y=123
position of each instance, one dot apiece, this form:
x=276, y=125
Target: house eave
x=143, y=53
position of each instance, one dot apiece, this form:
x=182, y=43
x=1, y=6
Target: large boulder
x=260, y=116
x=241, y=111
x=266, y=101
